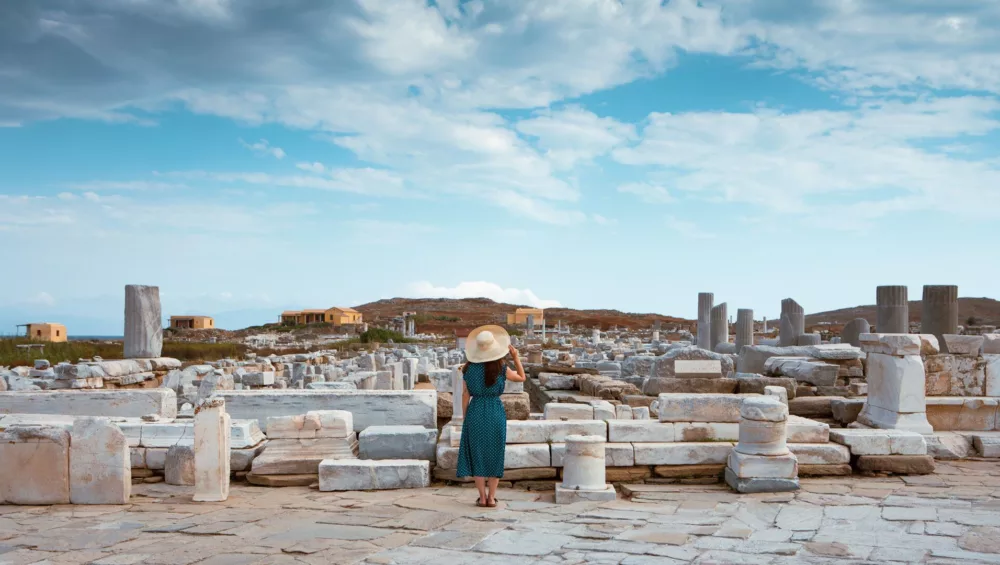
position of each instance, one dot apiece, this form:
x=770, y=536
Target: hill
x=986, y=311
x=441, y=315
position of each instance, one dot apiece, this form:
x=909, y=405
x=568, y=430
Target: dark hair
x=493, y=370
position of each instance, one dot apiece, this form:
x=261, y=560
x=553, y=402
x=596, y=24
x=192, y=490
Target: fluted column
x=143, y=323
x=744, y=328
x=793, y=323
x=705, y=302
x=892, y=314
x=720, y=326
x=939, y=314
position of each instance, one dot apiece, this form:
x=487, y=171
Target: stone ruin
x=755, y=410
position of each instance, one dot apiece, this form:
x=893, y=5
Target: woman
x=484, y=431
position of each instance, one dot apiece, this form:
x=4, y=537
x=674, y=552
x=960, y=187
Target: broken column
x=892, y=314
x=793, y=323
x=705, y=302
x=853, y=330
x=719, y=329
x=761, y=461
x=211, y=450
x=744, y=328
x=100, y=468
x=939, y=315
x=143, y=322
x=595, y=335
x=896, y=380
x=531, y=325
x=584, y=471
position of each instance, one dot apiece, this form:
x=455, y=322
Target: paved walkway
x=950, y=517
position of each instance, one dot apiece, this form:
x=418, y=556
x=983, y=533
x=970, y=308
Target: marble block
x=527, y=456
x=820, y=453
x=863, y=441
x=891, y=344
x=34, y=465
x=688, y=453
x=681, y=407
x=759, y=484
x=802, y=370
x=397, y=442
x=211, y=451
x=615, y=454
x=122, y=403
x=697, y=369
x=705, y=431
x=568, y=411
x=992, y=374
x=358, y=474
x=302, y=456
x=100, y=469
x=570, y=495
x=804, y=430
x=178, y=467
x=779, y=392
x=963, y=344
x=640, y=431
x=746, y=466
x=546, y=431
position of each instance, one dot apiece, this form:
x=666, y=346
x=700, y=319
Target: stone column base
x=752, y=485
x=875, y=417
x=569, y=496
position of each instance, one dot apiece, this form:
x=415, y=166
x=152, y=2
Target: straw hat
x=487, y=343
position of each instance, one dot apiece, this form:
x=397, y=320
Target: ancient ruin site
x=722, y=439
x=499, y=282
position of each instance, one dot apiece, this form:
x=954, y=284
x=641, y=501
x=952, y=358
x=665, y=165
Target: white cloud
x=91, y=196
x=314, y=167
x=66, y=196
x=369, y=181
x=798, y=161
x=602, y=220
x=262, y=147
x=652, y=193
x=574, y=134
x=481, y=289
x=125, y=185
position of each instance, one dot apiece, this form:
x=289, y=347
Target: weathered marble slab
x=820, y=453
x=131, y=403
x=547, y=431
x=682, y=453
x=700, y=407
x=34, y=466
x=100, y=469
x=880, y=442
x=397, y=442
x=344, y=475
x=369, y=407
x=647, y=431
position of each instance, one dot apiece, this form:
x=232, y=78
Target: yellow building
x=192, y=322
x=45, y=331
x=336, y=316
x=520, y=316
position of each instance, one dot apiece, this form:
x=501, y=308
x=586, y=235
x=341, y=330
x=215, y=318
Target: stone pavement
x=952, y=516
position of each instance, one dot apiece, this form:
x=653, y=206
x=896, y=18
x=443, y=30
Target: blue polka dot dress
x=484, y=431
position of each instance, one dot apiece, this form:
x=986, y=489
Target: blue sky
x=249, y=157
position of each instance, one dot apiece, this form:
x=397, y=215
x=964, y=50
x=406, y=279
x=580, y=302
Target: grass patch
x=382, y=335
x=72, y=351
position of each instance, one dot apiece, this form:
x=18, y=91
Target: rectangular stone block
x=356, y=474
x=763, y=466
x=896, y=383
x=949, y=413
x=880, y=442
x=820, y=453
x=615, y=454
x=804, y=430
x=547, y=431
x=682, y=453
x=803, y=370
x=697, y=368
x=397, y=442
x=991, y=344
x=302, y=456
x=123, y=403
x=991, y=373
x=554, y=381
x=100, y=470
x=898, y=464
x=891, y=344
x=369, y=407
x=699, y=407
x=651, y=431
x=568, y=411
x=706, y=431
x=527, y=455
x=34, y=466
x=963, y=344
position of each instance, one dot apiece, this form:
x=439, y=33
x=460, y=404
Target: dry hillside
x=986, y=311
x=441, y=315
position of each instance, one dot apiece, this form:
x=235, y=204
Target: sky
x=250, y=157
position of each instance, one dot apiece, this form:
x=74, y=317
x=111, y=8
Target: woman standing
x=484, y=431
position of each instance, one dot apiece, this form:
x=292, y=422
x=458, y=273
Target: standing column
x=456, y=395
x=744, y=328
x=211, y=450
x=720, y=326
x=705, y=302
x=143, y=323
x=595, y=336
x=793, y=323
x=531, y=325
x=892, y=314
x=584, y=471
x=939, y=314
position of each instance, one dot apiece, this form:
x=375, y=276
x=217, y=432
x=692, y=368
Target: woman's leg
x=481, y=485
x=493, y=483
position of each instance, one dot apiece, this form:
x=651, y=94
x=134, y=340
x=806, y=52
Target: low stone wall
x=134, y=403
x=369, y=407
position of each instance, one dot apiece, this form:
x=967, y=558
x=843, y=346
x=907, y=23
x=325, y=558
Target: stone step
x=357, y=474
x=870, y=441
